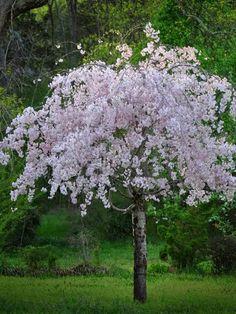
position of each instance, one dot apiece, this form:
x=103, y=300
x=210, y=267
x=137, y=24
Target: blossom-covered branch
x=150, y=127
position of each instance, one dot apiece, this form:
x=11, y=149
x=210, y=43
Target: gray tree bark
x=9, y=9
x=140, y=252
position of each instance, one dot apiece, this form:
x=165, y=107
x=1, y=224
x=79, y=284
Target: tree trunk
x=140, y=253
x=72, y=7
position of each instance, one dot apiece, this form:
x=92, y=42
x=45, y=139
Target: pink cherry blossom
x=152, y=128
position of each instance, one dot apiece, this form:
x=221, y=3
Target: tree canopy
x=149, y=131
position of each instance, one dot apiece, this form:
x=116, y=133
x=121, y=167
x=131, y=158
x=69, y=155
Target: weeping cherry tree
x=152, y=130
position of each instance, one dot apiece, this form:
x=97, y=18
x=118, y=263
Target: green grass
x=166, y=294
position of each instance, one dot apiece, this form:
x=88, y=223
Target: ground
x=167, y=293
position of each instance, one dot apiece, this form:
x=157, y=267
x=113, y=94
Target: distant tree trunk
x=50, y=11
x=2, y=52
x=72, y=7
x=107, y=14
x=140, y=252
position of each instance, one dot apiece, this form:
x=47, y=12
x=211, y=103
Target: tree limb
x=10, y=9
x=22, y=6
x=123, y=210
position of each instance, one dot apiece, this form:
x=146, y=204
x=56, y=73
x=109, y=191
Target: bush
x=40, y=257
x=159, y=268
x=205, y=267
x=223, y=251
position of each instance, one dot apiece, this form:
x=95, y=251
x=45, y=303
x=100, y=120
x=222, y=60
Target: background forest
x=61, y=34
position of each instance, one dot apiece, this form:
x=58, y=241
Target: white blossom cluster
x=126, y=54
x=154, y=129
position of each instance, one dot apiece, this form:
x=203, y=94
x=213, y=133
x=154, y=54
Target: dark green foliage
x=17, y=228
x=223, y=222
x=18, y=220
x=184, y=229
x=52, y=271
x=111, y=224
x=223, y=251
x=3, y=262
x=55, y=228
x=164, y=253
x=10, y=106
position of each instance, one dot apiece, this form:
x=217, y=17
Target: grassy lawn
x=168, y=293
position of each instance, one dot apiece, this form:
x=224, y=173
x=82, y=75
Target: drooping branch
x=123, y=210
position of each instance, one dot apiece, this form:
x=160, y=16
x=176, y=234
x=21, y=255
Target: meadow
x=167, y=293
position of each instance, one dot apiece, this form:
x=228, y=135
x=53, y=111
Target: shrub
x=160, y=267
x=205, y=267
x=39, y=257
x=223, y=251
